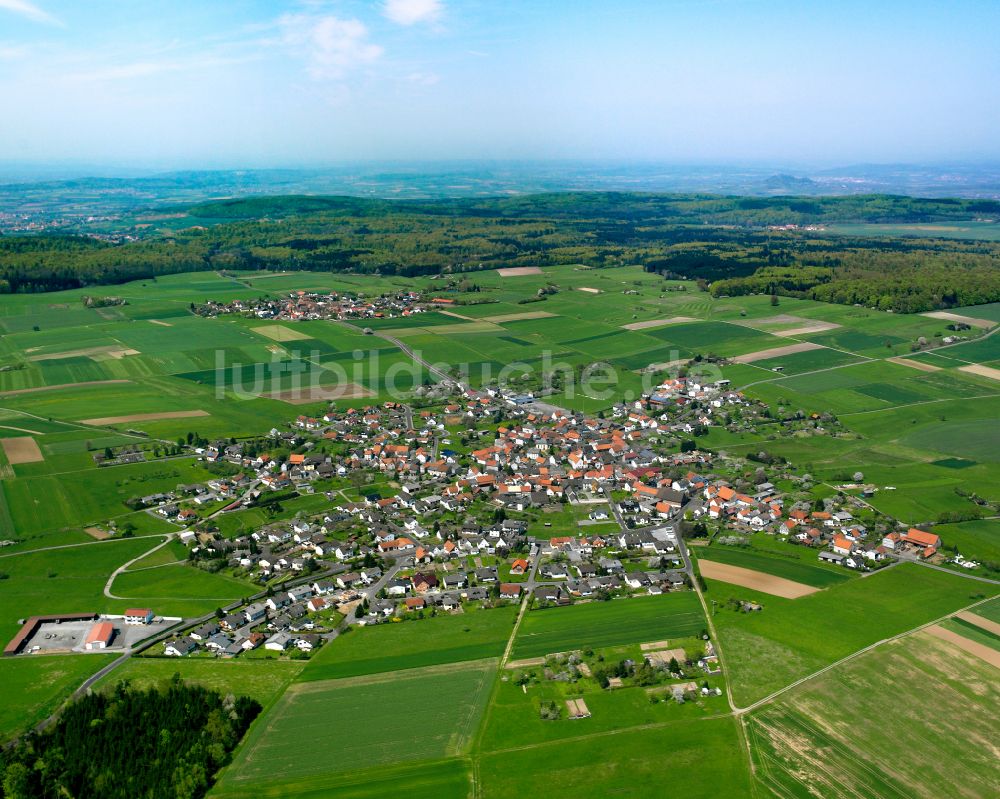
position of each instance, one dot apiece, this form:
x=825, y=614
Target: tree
x=774, y=300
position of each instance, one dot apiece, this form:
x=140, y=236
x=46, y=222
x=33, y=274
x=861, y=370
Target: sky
x=255, y=83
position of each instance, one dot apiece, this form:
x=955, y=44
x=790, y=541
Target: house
x=206, y=631
x=519, y=566
x=179, y=647
x=510, y=590
x=254, y=612
x=832, y=557
x=138, y=616
x=316, y=604
x=278, y=642
x=99, y=636
x=415, y=603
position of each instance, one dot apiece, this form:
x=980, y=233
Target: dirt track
x=759, y=581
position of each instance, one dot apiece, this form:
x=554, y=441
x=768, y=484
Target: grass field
x=473, y=635
x=697, y=759
x=823, y=738
x=789, y=568
x=446, y=779
x=342, y=725
x=262, y=679
x=179, y=589
x=602, y=624
x=789, y=639
x=35, y=686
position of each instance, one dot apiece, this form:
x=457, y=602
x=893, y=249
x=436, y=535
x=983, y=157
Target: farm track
x=123, y=568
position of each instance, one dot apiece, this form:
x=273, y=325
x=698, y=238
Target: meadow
x=789, y=639
x=603, y=624
x=700, y=759
x=329, y=726
x=262, y=679
x=823, y=738
x=472, y=635
x=35, y=686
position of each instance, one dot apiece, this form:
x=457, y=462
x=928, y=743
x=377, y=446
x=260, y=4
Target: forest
x=167, y=741
x=729, y=242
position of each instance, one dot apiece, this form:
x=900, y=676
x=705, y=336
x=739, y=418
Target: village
x=486, y=499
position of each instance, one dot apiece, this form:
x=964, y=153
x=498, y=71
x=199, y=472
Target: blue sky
x=302, y=82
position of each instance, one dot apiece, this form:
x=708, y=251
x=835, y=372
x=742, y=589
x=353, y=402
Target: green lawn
x=262, y=679
x=472, y=635
x=602, y=624
x=331, y=726
x=35, y=686
x=788, y=639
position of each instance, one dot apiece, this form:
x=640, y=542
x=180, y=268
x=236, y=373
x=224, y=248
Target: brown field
x=60, y=386
x=658, y=322
x=984, y=324
x=980, y=621
x=588, y=289
x=514, y=317
x=158, y=322
x=312, y=394
x=21, y=450
x=805, y=330
x=525, y=663
x=777, y=352
x=279, y=333
x=981, y=651
x=515, y=271
x=143, y=417
x=94, y=353
x=461, y=327
x=759, y=581
x=923, y=367
x=982, y=371
x=97, y=533
x=656, y=367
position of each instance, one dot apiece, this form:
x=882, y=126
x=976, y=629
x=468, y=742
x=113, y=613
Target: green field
x=789, y=639
x=790, y=568
x=262, y=679
x=35, y=686
x=332, y=726
x=473, y=635
x=826, y=738
x=602, y=624
x=699, y=759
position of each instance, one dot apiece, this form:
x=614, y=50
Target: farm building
x=100, y=636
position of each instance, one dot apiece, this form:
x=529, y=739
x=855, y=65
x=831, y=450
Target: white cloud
x=410, y=12
x=423, y=78
x=331, y=46
x=29, y=11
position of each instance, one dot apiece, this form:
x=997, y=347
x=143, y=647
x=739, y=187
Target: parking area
x=70, y=636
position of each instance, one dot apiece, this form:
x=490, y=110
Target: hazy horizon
x=324, y=83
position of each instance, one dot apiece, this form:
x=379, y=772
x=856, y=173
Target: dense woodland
x=724, y=241
x=128, y=744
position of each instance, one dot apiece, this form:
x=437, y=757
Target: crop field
x=789, y=568
x=602, y=624
x=444, y=779
x=789, y=639
x=343, y=725
x=472, y=635
x=35, y=686
x=699, y=759
x=822, y=738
